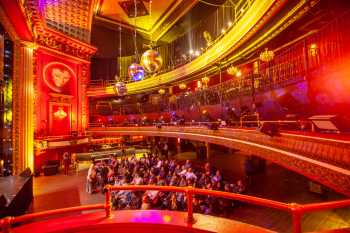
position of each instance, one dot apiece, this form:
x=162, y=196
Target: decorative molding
x=55, y=40
x=65, y=45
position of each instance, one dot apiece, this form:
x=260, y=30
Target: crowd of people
x=152, y=169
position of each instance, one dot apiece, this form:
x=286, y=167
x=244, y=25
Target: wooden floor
x=51, y=192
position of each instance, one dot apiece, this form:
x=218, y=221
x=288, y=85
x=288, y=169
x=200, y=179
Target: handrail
x=324, y=206
x=6, y=222
x=191, y=123
x=240, y=123
x=296, y=210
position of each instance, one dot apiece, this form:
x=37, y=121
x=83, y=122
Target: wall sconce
x=313, y=50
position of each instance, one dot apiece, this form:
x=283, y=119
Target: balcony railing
x=295, y=210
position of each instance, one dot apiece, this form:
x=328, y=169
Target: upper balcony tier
x=241, y=39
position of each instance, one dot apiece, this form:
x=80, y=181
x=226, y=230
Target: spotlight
x=191, y=51
x=223, y=31
x=229, y=23
x=197, y=53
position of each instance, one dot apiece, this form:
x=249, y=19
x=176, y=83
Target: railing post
x=189, y=193
x=312, y=127
x=6, y=224
x=108, y=207
x=296, y=217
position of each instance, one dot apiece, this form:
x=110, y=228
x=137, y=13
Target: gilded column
x=23, y=108
x=16, y=119
x=83, y=108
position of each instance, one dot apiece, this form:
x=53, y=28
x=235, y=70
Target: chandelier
x=205, y=80
x=60, y=113
x=233, y=70
x=267, y=55
x=182, y=86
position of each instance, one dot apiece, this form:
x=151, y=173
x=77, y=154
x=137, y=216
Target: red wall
x=57, y=84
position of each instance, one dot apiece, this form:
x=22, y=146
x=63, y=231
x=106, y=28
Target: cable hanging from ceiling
x=135, y=71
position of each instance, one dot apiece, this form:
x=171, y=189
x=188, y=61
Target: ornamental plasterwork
x=54, y=38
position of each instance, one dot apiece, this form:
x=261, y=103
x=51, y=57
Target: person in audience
x=152, y=169
x=66, y=162
x=91, y=179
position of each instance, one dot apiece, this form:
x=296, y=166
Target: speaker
x=331, y=123
x=26, y=173
x=270, y=129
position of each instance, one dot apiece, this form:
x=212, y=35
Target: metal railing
x=299, y=124
x=296, y=210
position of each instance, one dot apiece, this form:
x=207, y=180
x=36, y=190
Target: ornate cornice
x=54, y=40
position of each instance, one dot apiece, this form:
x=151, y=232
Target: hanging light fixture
x=135, y=71
x=232, y=70
x=151, y=60
x=60, y=113
x=182, y=86
x=161, y=91
x=267, y=55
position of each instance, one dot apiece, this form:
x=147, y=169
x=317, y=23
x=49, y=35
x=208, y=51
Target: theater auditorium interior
x=202, y=116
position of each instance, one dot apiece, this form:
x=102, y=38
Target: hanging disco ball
x=120, y=89
x=152, y=61
x=136, y=72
